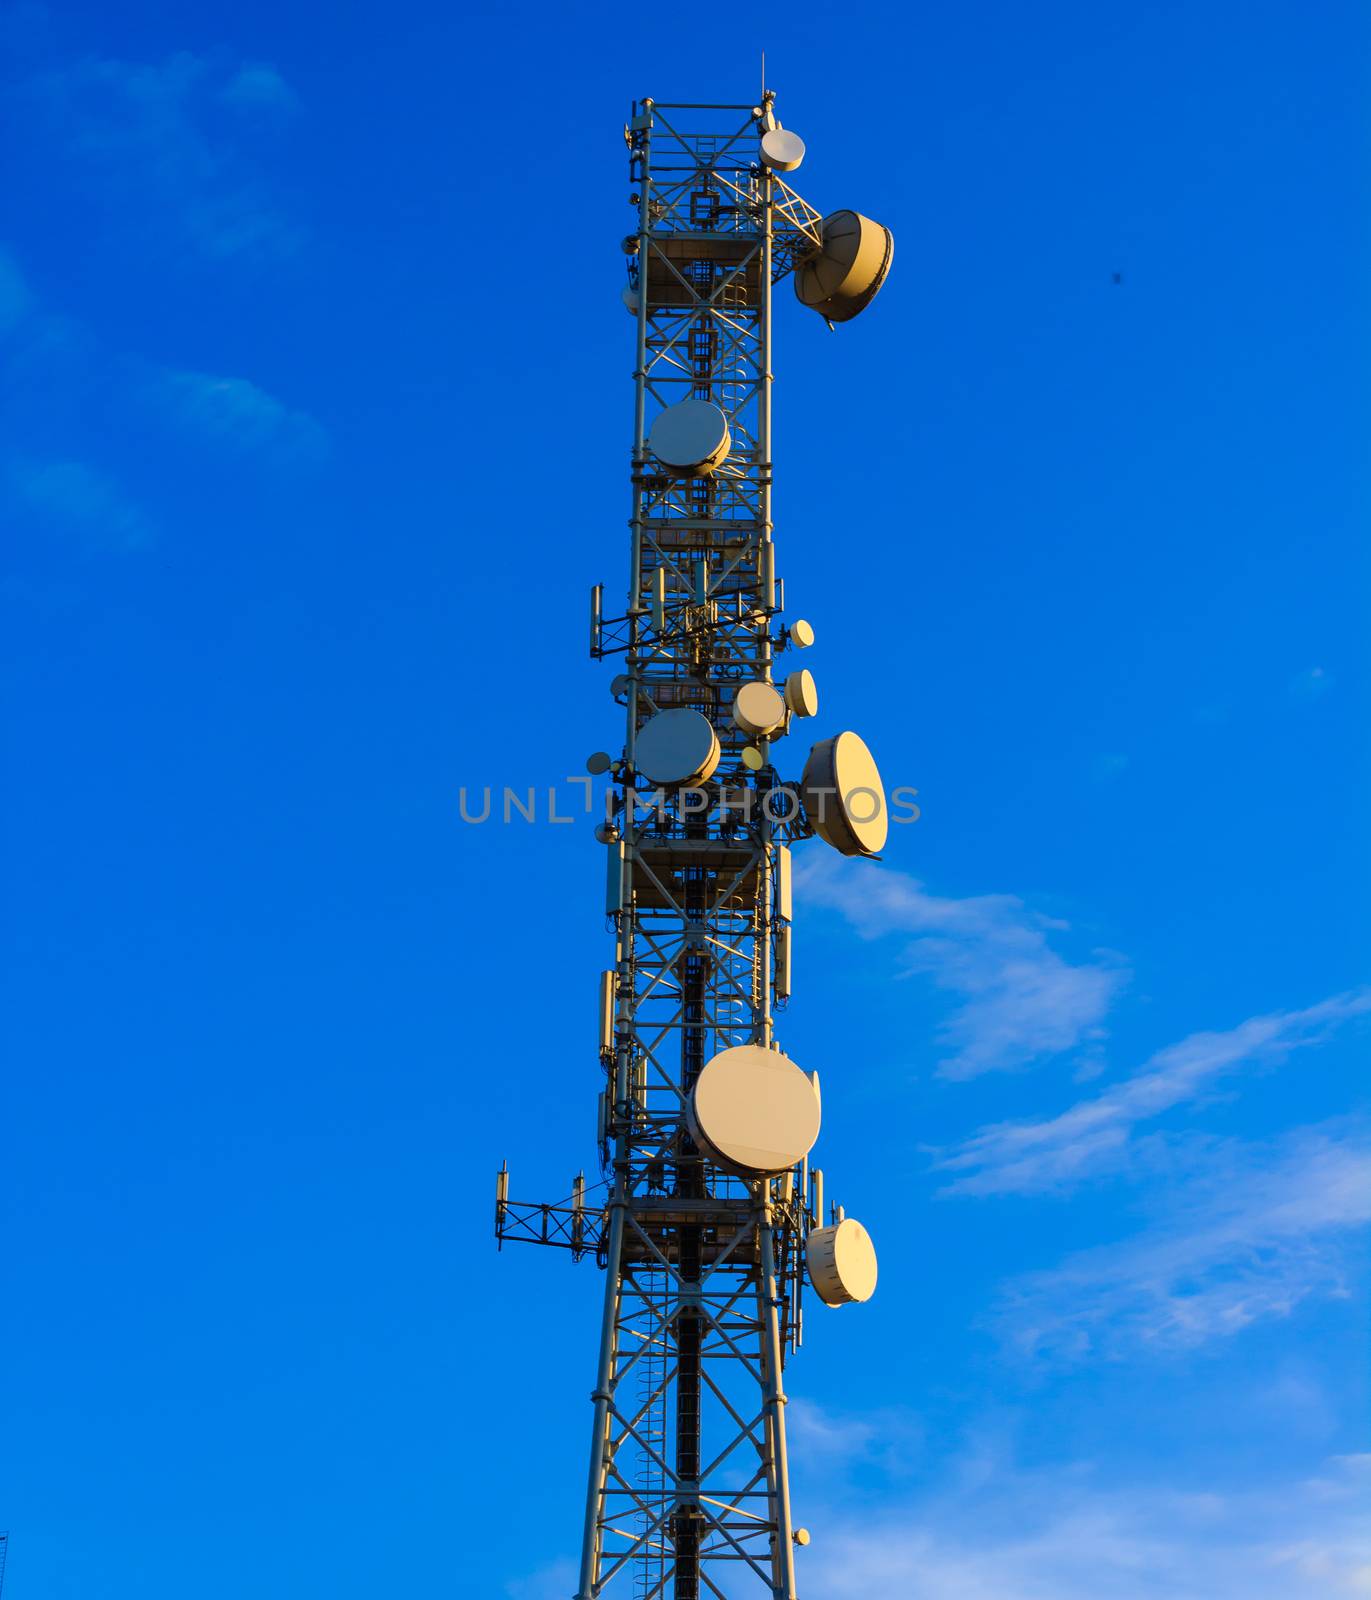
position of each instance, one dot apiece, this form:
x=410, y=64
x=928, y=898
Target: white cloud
x=1094, y=1134
x=555, y=1581
x=78, y=499
x=236, y=412
x=837, y=1437
x=1058, y=1536
x=889, y=1440
x=259, y=86
x=1254, y=1232
x=146, y=127
x=1020, y=999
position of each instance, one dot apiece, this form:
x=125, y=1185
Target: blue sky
x=313, y=433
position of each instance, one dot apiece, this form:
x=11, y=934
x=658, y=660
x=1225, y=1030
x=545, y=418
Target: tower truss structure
x=688, y=1494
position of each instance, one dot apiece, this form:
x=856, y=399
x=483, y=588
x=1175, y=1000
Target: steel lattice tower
x=688, y=1492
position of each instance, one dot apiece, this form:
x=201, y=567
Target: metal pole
x=773, y=1402
x=602, y=1396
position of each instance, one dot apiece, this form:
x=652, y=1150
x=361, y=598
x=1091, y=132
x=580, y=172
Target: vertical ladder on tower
x=649, y=1572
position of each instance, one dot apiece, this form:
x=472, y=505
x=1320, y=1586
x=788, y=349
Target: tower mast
x=713, y=1218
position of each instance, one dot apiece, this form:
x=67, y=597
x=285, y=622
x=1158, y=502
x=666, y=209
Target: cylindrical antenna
x=501, y=1202
x=607, y=987
x=597, y=601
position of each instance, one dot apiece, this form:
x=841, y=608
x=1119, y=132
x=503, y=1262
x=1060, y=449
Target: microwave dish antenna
x=844, y=797
x=802, y=694
x=759, y=710
x=782, y=150
x=845, y=274
x=678, y=748
x=753, y=1112
x=842, y=1262
x=691, y=438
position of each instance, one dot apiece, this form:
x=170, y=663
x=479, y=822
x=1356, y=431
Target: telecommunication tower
x=713, y=1220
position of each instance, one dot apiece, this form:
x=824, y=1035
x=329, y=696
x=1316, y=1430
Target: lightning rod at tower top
x=709, y=1220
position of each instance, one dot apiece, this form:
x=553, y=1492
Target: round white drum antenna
x=759, y=710
x=802, y=694
x=753, y=1112
x=843, y=796
x=691, y=438
x=782, y=150
x=677, y=748
x=841, y=1262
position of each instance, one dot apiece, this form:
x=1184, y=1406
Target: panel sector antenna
x=708, y=1218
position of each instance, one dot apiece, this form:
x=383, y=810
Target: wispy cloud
x=78, y=499
x=1311, y=684
x=1060, y=1536
x=238, y=413
x=1254, y=1232
x=257, y=85
x=1093, y=1136
x=1019, y=998
x=552, y=1582
x=15, y=299
x=889, y=1441
x=155, y=130
x=50, y=361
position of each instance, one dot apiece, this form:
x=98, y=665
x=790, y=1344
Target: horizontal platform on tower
x=685, y=268
x=732, y=868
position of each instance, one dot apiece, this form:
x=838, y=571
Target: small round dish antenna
x=758, y=710
x=629, y=295
x=801, y=634
x=600, y=762
x=841, y=1262
x=752, y=758
x=753, y=1111
x=676, y=748
x=802, y=694
x=844, y=797
x=842, y=279
x=782, y=150
x=691, y=438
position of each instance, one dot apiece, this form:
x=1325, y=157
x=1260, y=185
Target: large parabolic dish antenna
x=753, y=1111
x=676, y=748
x=842, y=279
x=690, y=439
x=844, y=797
